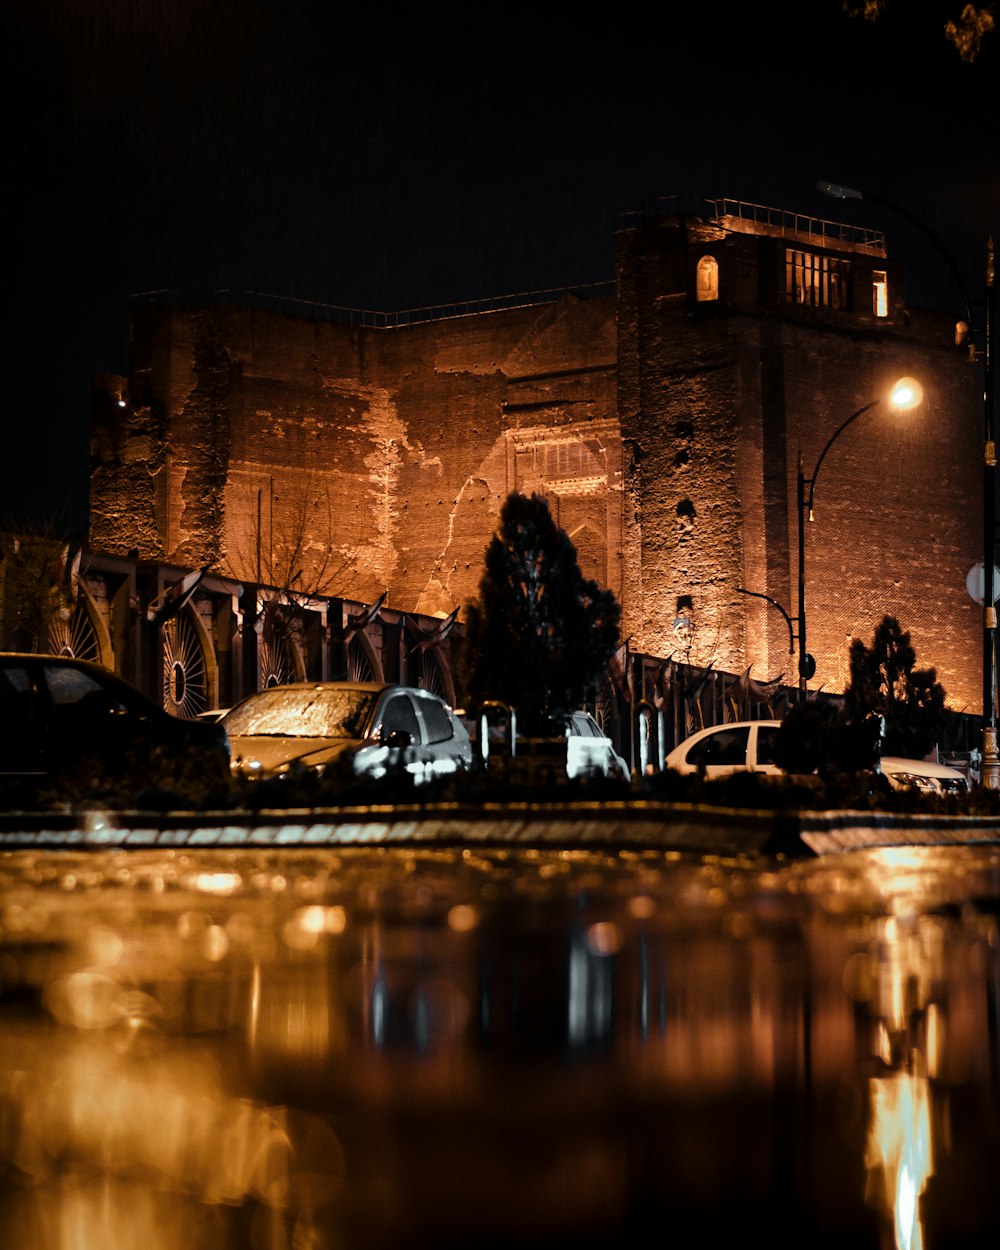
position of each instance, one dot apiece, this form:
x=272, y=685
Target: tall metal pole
x=990, y=776
x=800, y=496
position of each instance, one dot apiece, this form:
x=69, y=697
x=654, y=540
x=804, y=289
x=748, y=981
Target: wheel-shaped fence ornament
x=185, y=678
x=72, y=633
x=606, y=708
x=430, y=676
x=360, y=664
x=280, y=658
x=277, y=661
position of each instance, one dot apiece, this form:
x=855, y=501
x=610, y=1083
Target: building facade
x=365, y=458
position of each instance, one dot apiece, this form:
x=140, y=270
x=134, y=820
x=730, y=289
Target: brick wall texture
x=665, y=431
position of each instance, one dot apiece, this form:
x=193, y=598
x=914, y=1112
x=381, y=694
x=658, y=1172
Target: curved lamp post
x=774, y=604
x=990, y=775
x=906, y=394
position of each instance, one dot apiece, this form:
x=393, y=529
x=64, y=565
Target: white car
x=924, y=774
x=369, y=727
x=749, y=746
x=589, y=751
x=723, y=749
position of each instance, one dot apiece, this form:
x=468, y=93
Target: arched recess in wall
x=362, y=662
x=686, y=516
x=591, y=552
x=190, y=670
x=81, y=632
x=280, y=653
x=707, y=279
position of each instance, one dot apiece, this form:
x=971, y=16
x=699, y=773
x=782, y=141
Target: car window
x=583, y=727
x=724, y=747
x=398, y=715
x=16, y=703
x=14, y=681
x=765, y=744
x=22, y=721
x=436, y=719
x=70, y=685
x=85, y=713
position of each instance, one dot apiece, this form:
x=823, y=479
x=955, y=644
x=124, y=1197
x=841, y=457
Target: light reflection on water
x=373, y=1048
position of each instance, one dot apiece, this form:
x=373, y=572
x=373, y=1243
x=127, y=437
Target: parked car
x=589, y=751
x=723, y=749
x=584, y=746
x=58, y=713
x=212, y=714
x=749, y=745
x=924, y=775
x=363, y=728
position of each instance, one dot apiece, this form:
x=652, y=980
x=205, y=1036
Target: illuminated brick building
x=333, y=453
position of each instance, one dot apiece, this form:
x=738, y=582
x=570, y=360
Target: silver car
x=587, y=750
x=365, y=729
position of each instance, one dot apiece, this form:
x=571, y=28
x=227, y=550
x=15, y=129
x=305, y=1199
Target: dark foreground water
x=369, y=1049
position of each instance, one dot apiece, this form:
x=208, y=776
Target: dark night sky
x=396, y=158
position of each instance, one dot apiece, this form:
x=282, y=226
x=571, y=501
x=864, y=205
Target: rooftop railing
x=367, y=317
x=743, y=217
x=830, y=234
x=739, y=216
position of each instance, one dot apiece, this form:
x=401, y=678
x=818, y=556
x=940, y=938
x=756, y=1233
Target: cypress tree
x=540, y=634
x=885, y=682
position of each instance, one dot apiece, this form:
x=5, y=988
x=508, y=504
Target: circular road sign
x=974, y=582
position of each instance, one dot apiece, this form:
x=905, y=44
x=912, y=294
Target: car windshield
x=316, y=712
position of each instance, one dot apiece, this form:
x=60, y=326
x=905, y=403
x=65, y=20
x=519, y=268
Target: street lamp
x=990, y=773
x=906, y=394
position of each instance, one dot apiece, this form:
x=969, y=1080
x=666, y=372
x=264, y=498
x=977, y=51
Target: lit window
x=707, y=285
x=819, y=281
x=880, y=293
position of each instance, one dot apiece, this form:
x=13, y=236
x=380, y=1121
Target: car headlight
x=249, y=768
x=914, y=779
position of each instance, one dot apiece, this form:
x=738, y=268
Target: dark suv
x=62, y=716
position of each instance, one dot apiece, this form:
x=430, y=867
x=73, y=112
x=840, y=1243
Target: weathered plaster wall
x=128, y=454
x=357, y=461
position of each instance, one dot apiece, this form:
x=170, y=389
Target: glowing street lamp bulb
x=906, y=394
